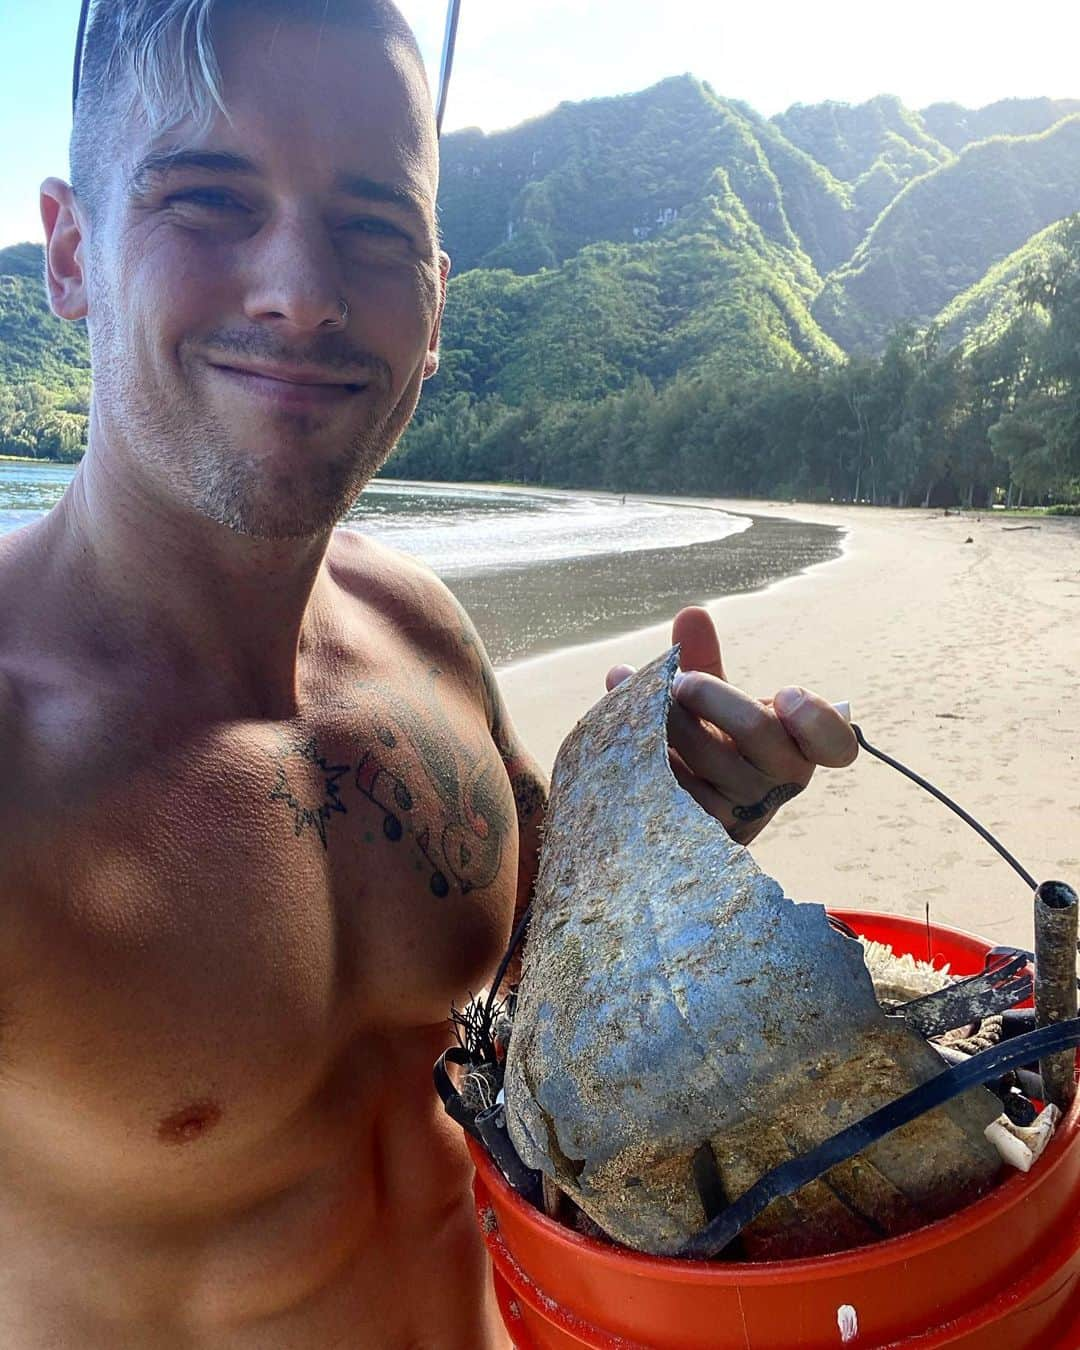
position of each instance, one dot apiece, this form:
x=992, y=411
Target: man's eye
x=209, y=199
x=373, y=225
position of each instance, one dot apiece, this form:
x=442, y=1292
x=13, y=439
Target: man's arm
x=530, y=787
x=528, y=782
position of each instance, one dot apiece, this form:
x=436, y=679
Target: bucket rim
x=961, y=935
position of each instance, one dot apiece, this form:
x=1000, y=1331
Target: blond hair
x=156, y=59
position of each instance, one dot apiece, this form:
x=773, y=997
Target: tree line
x=916, y=425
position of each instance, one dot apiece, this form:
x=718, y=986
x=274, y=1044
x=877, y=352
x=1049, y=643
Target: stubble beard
x=240, y=490
x=200, y=463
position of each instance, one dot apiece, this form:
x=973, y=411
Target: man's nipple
x=189, y=1123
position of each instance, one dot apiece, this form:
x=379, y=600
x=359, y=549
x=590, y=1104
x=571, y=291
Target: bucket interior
x=1004, y=1270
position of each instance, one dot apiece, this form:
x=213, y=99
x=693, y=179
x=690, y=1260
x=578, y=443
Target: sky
x=518, y=58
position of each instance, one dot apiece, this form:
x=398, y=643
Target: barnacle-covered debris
x=1057, y=908
x=897, y=978
x=682, y=1027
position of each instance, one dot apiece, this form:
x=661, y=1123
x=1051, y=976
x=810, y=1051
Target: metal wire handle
x=80, y=35
x=453, y=13
x=936, y=792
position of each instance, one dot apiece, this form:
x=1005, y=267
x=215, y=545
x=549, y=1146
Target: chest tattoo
x=440, y=792
x=312, y=798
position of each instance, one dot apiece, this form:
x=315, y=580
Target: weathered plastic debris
x=1021, y=1146
x=682, y=1027
x=968, y=1001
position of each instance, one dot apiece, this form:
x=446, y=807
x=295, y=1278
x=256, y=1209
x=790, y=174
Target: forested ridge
x=666, y=291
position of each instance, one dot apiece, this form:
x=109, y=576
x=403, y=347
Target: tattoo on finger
x=772, y=801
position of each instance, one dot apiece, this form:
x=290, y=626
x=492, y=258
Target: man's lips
x=290, y=385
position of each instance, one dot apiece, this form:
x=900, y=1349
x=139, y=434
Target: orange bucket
x=1001, y=1274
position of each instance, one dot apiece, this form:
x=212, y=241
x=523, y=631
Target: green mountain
x=44, y=364
x=34, y=344
x=622, y=254
x=587, y=253
x=874, y=148
x=616, y=169
x=945, y=230
x=850, y=139
x=956, y=127
x=982, y=313
x=710, y=292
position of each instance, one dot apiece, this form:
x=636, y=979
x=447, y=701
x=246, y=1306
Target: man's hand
x=741, y=758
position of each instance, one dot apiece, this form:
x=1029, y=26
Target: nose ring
x=344, y=312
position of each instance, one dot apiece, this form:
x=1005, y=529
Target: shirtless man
x=259, y=795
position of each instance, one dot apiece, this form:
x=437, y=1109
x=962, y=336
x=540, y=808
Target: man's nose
x=295, y=278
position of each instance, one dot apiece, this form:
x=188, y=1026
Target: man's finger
x=757, y=730
x=715, y=759
x=706, y=796
x=616, y=675
x=717, y=805
x=817, y=728
x=695, y=632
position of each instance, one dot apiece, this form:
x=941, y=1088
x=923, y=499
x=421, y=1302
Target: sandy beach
x=962, y=659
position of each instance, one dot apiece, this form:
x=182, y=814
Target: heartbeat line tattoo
x=301, y=798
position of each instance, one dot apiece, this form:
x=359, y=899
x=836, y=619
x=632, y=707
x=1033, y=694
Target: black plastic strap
x=447, y=1088
x=798, y=1172
x=492, y=1132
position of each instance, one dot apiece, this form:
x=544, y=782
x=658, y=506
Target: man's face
x=221, y=265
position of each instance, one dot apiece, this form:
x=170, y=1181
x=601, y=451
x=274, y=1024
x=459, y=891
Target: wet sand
x=544, y=606
x=962, y=659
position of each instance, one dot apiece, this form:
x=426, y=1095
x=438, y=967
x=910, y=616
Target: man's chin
x=283, y=504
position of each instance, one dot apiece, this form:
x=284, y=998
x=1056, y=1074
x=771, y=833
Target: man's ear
x=431, y=360
x=63, y=250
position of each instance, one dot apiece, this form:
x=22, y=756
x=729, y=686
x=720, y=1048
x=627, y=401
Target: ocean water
x=537, y=569
x=461, y=530
x=27, y=491
x=458, y=530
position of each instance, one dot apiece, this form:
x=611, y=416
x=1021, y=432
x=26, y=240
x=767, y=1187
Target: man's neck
x=209, y=599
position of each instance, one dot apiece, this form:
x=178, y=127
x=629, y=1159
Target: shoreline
x=960, y=660
x=525, y=612
x=645, y=631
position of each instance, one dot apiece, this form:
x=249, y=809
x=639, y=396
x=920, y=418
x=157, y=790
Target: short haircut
x=158, y=56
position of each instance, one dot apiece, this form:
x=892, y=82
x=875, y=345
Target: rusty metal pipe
x=1056, y=911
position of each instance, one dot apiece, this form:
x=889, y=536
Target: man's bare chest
x=216, y=925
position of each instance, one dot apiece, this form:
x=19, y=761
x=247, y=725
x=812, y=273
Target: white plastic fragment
x=844, y=709
x=902, y=977
x=1022, y=1145
x=847, y=1319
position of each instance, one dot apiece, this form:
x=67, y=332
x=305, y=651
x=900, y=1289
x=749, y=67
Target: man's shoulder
x=403, y=587
x=423, y=612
